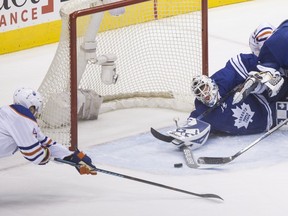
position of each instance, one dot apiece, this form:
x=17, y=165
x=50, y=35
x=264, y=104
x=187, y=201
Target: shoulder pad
x=21, y=110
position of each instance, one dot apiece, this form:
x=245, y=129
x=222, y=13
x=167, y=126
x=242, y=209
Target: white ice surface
x=256, y=183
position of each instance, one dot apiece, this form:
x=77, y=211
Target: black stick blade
x=211, y=196
x=161, y=136
x=214, y=160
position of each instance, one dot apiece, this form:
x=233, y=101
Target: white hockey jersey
x=19, y=131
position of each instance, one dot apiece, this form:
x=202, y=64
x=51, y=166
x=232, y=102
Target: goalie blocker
x=193, y=133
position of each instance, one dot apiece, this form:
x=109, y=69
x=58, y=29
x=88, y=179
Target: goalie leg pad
x=89, y=103
x=192, y=134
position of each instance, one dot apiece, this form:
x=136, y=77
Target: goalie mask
x=193, y=134
x=259, y=36
x=205, y=90
x=28, y=97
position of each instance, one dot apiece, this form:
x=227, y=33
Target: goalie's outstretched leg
x=193, y=134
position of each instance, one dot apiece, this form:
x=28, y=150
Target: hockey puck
x=178, y=165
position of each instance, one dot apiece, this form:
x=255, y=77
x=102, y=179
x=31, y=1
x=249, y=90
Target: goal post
x=149, y=49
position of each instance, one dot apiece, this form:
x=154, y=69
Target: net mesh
x=158, y=47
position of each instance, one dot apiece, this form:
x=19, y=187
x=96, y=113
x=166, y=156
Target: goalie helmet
x=259, y=36
x=28, y=97
x=194, y=133
x=205, y=90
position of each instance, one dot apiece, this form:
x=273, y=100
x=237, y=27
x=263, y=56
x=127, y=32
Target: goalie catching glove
x=84, y=163
x=258, y=82
x=193, y=133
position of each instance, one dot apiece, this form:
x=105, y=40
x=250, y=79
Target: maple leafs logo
x=243, y=115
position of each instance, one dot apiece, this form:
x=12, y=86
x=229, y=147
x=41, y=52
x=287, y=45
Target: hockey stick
x=188, y=154
x=161, y=136
x=189, y=157
x=224, y=160
x=143, y=181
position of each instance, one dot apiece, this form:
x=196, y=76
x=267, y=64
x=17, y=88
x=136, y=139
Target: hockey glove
x=257, y=82
x=272, y=79
x=248, y=87
x=84, y=163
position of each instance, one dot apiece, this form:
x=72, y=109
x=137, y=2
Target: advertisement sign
x=15, y=14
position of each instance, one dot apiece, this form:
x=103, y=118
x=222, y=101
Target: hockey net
x=159, y=45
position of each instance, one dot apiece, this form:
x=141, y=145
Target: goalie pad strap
x=89, y=103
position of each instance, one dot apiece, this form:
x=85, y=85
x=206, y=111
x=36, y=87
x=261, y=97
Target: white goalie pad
x=193, y=134
x=88, y=105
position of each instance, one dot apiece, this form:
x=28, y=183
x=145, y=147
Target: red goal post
x=157, y=47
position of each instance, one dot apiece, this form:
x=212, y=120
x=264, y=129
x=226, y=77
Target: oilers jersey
x=19, y=131
x=253, y=115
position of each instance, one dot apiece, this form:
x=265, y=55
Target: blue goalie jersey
x=274, y=52
x=253, y=115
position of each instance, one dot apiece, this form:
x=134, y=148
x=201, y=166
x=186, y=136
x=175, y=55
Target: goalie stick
x=160, y=136
x=189, y=158
x=187, y=152
x=214, y=196
x=225, y=160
